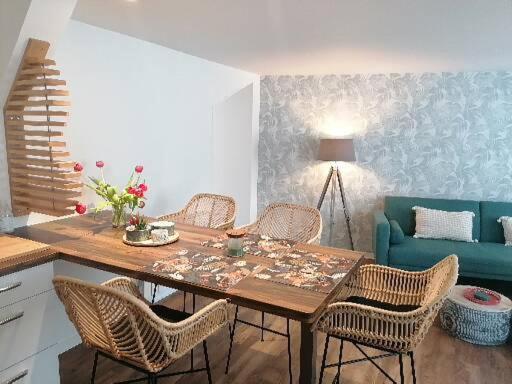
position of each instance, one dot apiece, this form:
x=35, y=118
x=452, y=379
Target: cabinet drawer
x=38, y=369
x=31, y=325
x=23, y=284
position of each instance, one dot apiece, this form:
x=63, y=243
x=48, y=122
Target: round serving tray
x=151, y=243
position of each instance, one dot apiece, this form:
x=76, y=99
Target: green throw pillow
x=397, y=235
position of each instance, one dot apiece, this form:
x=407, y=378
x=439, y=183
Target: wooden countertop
x=17, y=254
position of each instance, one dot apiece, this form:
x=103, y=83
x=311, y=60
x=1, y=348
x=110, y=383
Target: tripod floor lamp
x=336, y=150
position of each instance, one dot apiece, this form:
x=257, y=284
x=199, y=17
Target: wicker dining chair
x=386, y=309
x=289, y=221
x=114, y=319
x=204, y=210
x=281, y=221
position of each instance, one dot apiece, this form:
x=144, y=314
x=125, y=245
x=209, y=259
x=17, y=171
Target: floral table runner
x=258, y=245
x=217, y=272
x=309, y=270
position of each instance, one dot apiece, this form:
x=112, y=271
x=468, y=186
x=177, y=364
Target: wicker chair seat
x=380, y=304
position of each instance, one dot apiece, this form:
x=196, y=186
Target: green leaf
x=102, y=206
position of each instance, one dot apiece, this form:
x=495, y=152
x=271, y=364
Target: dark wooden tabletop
x=91, y=241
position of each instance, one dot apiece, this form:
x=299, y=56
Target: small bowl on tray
x=168, y=225
x=137, y=235
x=153, y=241
x=156, y=234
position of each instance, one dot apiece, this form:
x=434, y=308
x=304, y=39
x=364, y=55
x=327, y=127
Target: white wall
x=12, y=15
x=232, y=166
x=135, y=102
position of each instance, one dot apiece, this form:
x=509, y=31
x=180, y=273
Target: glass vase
x=118, y=217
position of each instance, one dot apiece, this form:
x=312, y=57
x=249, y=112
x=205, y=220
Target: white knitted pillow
x=436, y=224
x=506, y=221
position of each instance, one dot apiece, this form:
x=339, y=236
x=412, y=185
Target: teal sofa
x=488, y=258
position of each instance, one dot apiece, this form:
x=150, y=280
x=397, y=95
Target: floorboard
x=440, y=359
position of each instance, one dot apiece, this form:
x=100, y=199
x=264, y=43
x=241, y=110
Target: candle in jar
x=235, y=242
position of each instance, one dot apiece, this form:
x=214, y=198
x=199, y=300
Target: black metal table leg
x=322, y=368
x=401, y=361
x=289, y=337
x=340, y=357
x=231, y=337
x=262, y=324
x=307, y=354
x=411, y=355
x=207, y=361
x=93, y=374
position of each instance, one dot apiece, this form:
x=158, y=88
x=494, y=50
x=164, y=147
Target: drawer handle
x=10, y=319
x=10, y=287
x=16, y=378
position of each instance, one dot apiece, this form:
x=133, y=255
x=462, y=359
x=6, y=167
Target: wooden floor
x=440, y=359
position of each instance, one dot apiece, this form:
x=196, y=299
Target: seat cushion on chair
x=381, y=305
x=169, y=314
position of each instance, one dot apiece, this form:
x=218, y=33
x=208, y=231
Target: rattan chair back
x=399, y=331
x=115, y=319
x=289, y=221
x=206, y=210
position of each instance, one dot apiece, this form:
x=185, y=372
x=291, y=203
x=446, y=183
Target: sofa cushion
x=399, y=208
x=506, y=221
x=474, y=258
x=397, y=235
x=491, y=211
x=436, y=224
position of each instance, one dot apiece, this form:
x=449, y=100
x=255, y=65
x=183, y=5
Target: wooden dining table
x=91, y=241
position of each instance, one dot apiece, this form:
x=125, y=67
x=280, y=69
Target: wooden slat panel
x=36, y=113
x=34, y=123
x=39, y=143
x=35, y=173
x=45, y=203
x=39, y=72
x=39, y=152
x=41, y=93
x=42, y=172
x=43, y=163
x=40, y=83
x=38, y=103
x=46, y=211
x=33, y=190
x=62, y=184
x=23, y=132
x=31, y=61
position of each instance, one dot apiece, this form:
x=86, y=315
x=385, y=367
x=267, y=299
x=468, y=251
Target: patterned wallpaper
x=430, y=134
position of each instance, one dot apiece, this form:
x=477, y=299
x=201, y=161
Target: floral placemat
x=258, y=245
x=214, y=271
x=309, y=270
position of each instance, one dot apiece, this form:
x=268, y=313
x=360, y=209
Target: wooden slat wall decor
x=41, y=176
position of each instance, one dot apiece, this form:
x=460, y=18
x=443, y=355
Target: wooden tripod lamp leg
x=345, y=207
x=324, y=190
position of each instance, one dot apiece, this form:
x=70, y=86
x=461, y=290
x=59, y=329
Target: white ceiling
x=320, y=36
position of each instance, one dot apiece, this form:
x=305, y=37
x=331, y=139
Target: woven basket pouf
x=474, y=322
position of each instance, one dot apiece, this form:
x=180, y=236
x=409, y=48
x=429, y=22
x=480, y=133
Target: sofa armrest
x=381, y=236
